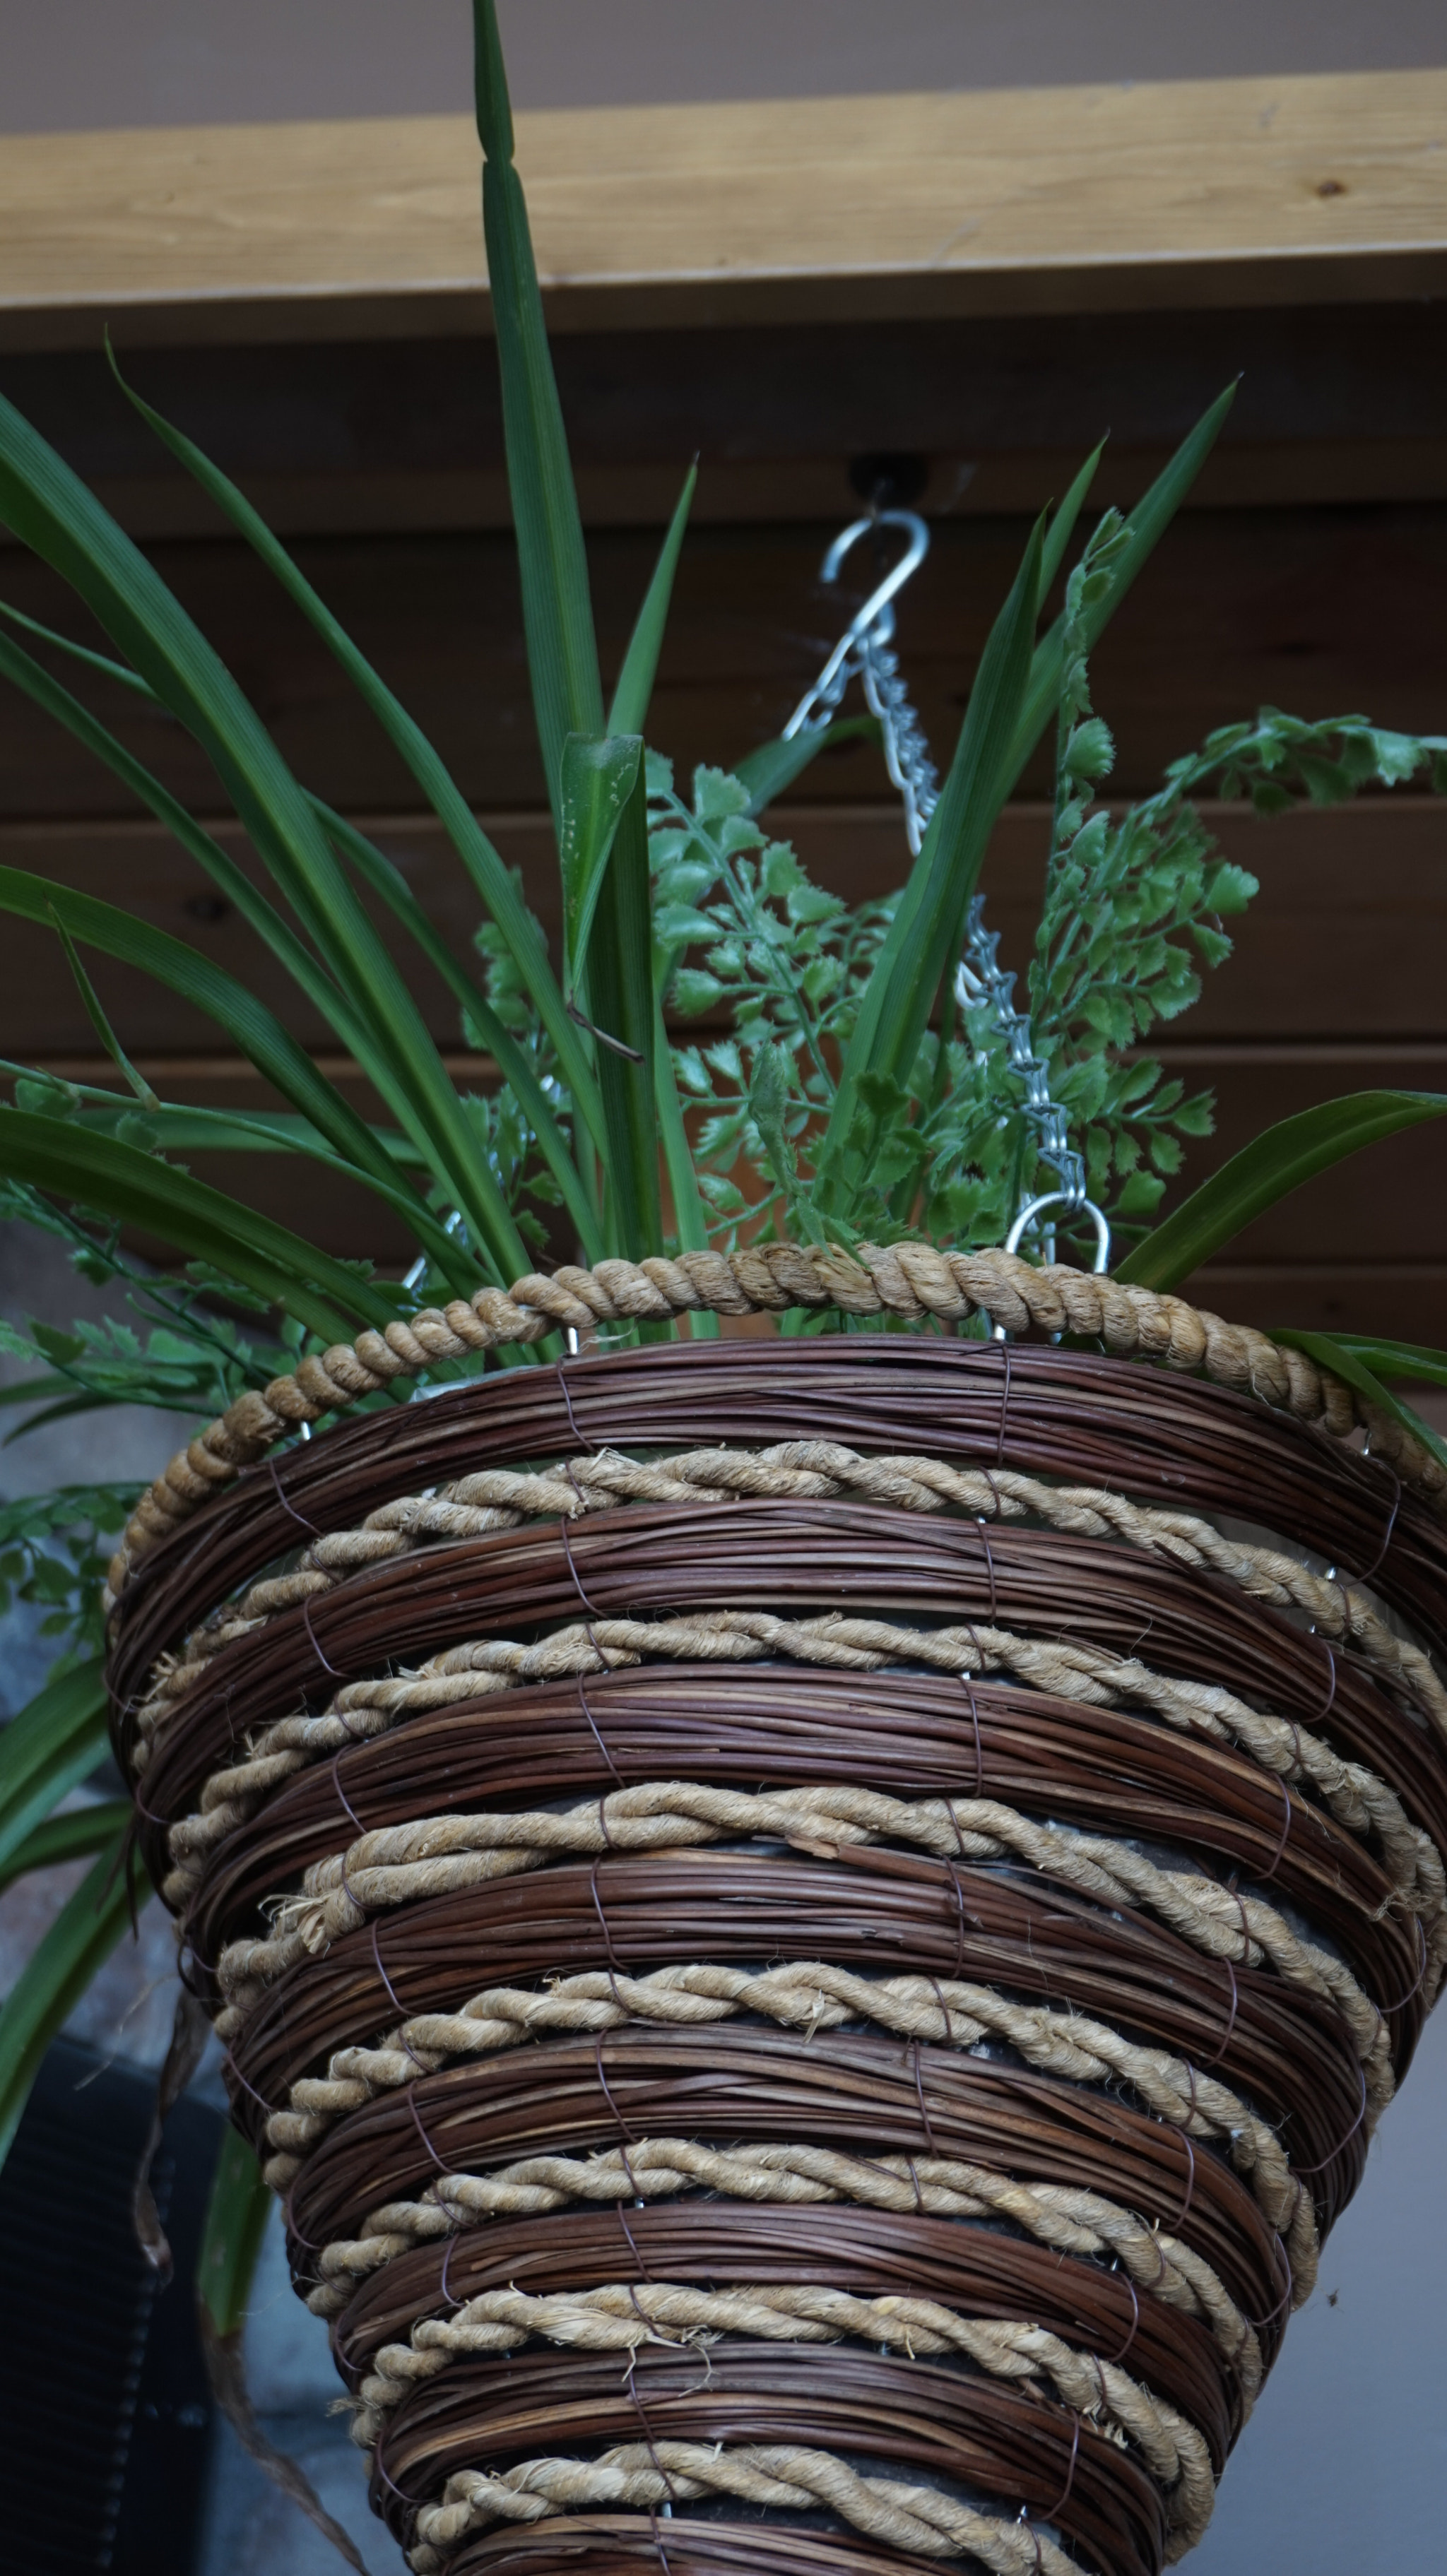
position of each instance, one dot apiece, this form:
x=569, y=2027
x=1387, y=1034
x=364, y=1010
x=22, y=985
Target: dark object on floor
x=103, y=2391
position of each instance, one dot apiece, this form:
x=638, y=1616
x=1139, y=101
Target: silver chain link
x=866, y=652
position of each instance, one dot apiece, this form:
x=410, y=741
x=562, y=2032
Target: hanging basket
x=812, y=1931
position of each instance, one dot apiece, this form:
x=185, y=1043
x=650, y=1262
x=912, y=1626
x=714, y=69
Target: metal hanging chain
x=865, y=651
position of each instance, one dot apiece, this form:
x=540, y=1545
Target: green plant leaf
x=277, y=1055
x=490, y=878
x=924, y=936
x=557, y=608
x=513, y=1064
x=690, y=1217
x=1412, y=1362
x=622, y=1008
x=271, y=1048
x=599, y=774
x=188, y=1130
x=634, y=692
x=72, y=1162
x=1268, y=1169
x=1062, y=524
x=236, y=2219
x=775, y=765
x=1344, y=1357
x=51, y=510
x=1149, y=521
x=76, y=1835
x=216, y=1131
x=48, y=1748
x=100, y=662
x=91, y=1002
x=59, y=1969
x=250, y=902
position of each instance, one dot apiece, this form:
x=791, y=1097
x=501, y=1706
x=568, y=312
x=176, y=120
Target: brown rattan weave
x=1113, y=2073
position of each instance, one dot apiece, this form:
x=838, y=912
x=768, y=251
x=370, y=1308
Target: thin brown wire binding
x=846, y=1985
x=848, y=2104
x=1075, y=1417
x=908, y=1280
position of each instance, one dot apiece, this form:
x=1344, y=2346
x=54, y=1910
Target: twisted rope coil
x=1358, y=1799
x=411, y=1863
x=796, y=1470
x=812, y=1995
x=406, y=1864
x=648, y=2474
x=908, y=1280
x=619, y=2318
x=1072, y=2220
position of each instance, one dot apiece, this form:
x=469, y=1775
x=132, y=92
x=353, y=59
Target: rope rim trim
x=910, y=1281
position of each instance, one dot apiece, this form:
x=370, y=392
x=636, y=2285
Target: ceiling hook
x=875, y=620
x=894, y=580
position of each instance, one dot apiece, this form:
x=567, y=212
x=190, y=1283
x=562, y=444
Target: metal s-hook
x=866, y=650
x=875, y=620
x=914, y=554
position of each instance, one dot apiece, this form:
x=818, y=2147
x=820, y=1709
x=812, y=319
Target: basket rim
x=909, y=1281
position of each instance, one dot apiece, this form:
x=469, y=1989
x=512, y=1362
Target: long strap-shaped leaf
x=628, y=712
x=926, y=929
x=1412, y=1362
x=53, y=1743
x=1268, y=1169
x=392, y=886
x=689, y=1216
x=73, y=1162
x=557, y=608
x=222, y=1131
x=58, y=1971
x=634, y=688
x=1062, y=527
x=237, y=2216
x=599, y=774
x=77, y=1835
x=490, y=878
x=1349, y=1360
x=233, y=881
x=621, y=1003
x=101, y=662
x=1149, y=520
x=925, y=933
x=261, y=1037
x=51, y=510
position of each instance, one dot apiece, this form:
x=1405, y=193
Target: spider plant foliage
x=720, y=1045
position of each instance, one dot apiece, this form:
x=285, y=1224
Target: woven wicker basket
x=813, y=1931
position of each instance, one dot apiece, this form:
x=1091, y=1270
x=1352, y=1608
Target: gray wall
x=78, y=63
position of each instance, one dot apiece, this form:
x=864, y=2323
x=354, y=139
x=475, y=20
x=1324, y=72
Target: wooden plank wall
x=1308, y=573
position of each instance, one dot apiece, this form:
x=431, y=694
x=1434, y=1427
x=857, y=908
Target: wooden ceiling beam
x=1326, y=188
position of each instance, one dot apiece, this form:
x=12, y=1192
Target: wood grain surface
x=1030, y=267
x=1334, y=403
x=1094, y=199
x=1319, y=611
